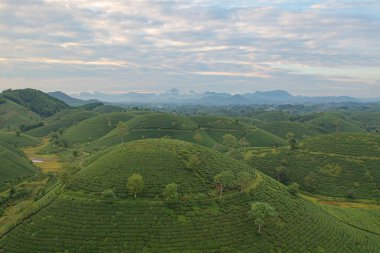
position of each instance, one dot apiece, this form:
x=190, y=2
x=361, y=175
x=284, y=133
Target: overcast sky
x=305, y=47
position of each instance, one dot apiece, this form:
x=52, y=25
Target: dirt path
x=45, y=162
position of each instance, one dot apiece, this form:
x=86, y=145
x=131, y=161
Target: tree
x=243, y=142
x=282, y=175
x=291, y=141
x=193, y=162
x=262, y=212
x=294, y=188
x=18, y=132
x=229, y=140
x=122, y=129
x=198, y=137
x=244, y=180
x=135, y=184
x=223, y=180
x=170, y=193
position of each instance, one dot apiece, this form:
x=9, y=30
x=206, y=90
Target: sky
x=314, y=48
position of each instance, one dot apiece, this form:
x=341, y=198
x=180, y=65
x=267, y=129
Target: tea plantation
x=81, y=219
x=14, y=166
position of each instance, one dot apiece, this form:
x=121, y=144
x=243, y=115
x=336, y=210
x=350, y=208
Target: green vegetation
x=261, y=212
x=35, y=100
x=89, y=222
x=14, y=166
x=115, y=180
x=343, y=165
x=18, y=139
x=13, y=116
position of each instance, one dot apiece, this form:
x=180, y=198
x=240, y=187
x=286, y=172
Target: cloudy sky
x=306, y=47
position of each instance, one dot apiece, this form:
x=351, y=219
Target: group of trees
x=227, y=179
x=135, y=184
x=231, y=141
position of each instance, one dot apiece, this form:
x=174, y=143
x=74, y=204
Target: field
x=81, y=220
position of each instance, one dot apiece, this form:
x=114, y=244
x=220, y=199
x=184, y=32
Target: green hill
x=13, y=115
x=35, y=100
x=21, y=140
x=343, y=165
x=109, y=109
x=162, y=121
x=14, y=166
x=332, y=123
x=282, y=128
x=84, y=219
x=94, y=128
x=62, y=120
x=350, y=144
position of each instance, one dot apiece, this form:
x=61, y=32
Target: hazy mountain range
x=173, y=96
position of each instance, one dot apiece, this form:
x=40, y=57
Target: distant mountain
x=36, y=101
x=173, y=96
x=67, y=99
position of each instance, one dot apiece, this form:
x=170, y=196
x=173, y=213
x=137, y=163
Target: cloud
x=161, y=44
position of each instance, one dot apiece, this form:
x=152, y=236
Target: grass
x=79, y=220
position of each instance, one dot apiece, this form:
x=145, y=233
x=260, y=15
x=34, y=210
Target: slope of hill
x=14, y=166
x=13, y=115
x=343, y=165
x=282, y=128
x=35, y=100
x=333, y=123
x=350, y=144
x=21, y=140
x=95, y=127
x=67, y=99
x=84, y=220
x=62, y=120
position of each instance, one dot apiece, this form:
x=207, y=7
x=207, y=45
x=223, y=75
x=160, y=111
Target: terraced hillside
x=94, y=127
x=13, y=115
x=333, y=123
x=208, y=131
x=344, y=165
x=21, y=140
x=14, y=166
x=85, y=220
x=62, y=120
x=282, y=128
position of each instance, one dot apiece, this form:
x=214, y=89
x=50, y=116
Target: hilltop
x=36, y=101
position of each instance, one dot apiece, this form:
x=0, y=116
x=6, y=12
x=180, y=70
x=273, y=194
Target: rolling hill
x=86, y=218
x=13, y=115
x=36, y=101
x=342, y=165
